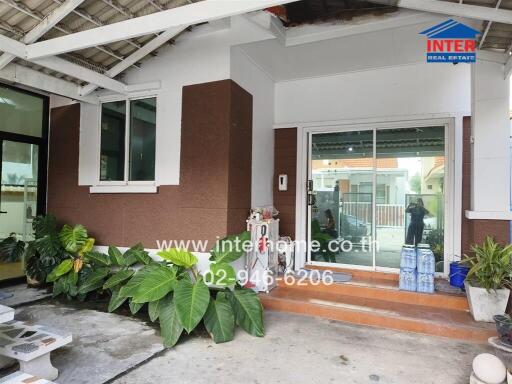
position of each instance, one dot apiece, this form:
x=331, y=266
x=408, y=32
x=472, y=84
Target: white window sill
x=486, y=215
x=123, y=189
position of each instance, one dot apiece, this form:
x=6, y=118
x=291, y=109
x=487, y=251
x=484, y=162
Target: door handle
x=3, y=212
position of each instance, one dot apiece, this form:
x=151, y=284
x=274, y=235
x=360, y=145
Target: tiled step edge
x=437, y=300
x=377, y=318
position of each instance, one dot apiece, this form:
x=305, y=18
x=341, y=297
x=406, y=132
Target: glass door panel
x=18, y=196
x=409, y=203
x=341, y=212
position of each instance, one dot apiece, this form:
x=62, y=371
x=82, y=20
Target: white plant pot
x=484, y=305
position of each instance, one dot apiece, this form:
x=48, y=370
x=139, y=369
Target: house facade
x=209, y=124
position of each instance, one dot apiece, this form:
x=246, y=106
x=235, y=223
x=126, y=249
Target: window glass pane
x=113, y=120
x=142, y=139
x=341, y=217
x=21, y=113
x=410, y=208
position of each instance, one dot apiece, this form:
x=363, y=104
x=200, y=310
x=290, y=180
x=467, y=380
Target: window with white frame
x=128, y=141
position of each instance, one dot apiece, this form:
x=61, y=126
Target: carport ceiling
x=88, y=44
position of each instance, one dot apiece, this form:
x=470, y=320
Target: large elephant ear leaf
x=157, y=283
x=221, y=274
x=170, y=325
x=116, y=300
x=230, y=248
x=180, y=257
x=191, y=301
x=219, y=319
x=93, y=280
x=116, y=257
x=137, y=254
x=135, y=307
x=60, y=270
x=118, y=278
x=154, y=309
x=248, y=310
x=98, y=258
x=73, y=238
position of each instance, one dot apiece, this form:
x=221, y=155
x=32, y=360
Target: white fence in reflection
x=387, y=215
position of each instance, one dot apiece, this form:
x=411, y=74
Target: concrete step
x=381, y=289
x=422, y=319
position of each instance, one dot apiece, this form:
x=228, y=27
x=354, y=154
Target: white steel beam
x=17, y=74
x=508, y=67
x=136, y=56
x=195, y=13
x=455, y=9
x=44, y=26
x=60, y=65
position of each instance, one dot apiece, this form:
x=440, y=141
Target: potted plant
x=489, y=279
x=504, y=328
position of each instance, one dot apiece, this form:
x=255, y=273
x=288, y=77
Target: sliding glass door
x=373, y=190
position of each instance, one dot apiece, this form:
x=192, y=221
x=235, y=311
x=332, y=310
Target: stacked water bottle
x=417, y=269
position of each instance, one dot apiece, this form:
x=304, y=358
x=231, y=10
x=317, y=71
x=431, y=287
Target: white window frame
x=124, y=186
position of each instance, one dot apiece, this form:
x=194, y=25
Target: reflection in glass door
x=23, y=154
x=372, y=191
x=410, y=201
x=18, y=196
x=342, y=214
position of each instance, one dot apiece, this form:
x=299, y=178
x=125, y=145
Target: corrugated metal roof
x=17, y=17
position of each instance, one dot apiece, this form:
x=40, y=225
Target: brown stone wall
x=285, y=161
x=214, y=194
x=475, y=231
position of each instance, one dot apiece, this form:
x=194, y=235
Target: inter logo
x=451, y=42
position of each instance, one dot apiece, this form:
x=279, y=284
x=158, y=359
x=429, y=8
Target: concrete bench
x=6, y=314
x=23, y=378
x=31, y=345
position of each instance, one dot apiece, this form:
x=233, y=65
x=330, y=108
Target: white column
x=490, y=189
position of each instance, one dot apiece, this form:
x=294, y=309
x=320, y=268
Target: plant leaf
x=191, y=301
x=221, y=274
x=135, y=307
x=116, y=256
x=116, y=300
x=248, y=310
x=98, y=258
x=118, y=278
x=230, y=248
x=219, y=319
x=44, y=225
x=87, y=247
x=153, y=309
x=180, y=257
x=170, y=326
x=130, y=289
x=156, y=284
x=138, y=254
x=93, y=281
x=61, y=269
x=73, y=238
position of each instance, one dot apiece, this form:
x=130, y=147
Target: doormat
x=337, y=277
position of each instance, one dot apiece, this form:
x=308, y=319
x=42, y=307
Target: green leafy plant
x=11, y=249
x=490, y=265
x=41, y=254
x=176, y=294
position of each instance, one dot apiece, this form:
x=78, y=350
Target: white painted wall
x=490, y=128
x=408, y=90
x=254, y=80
